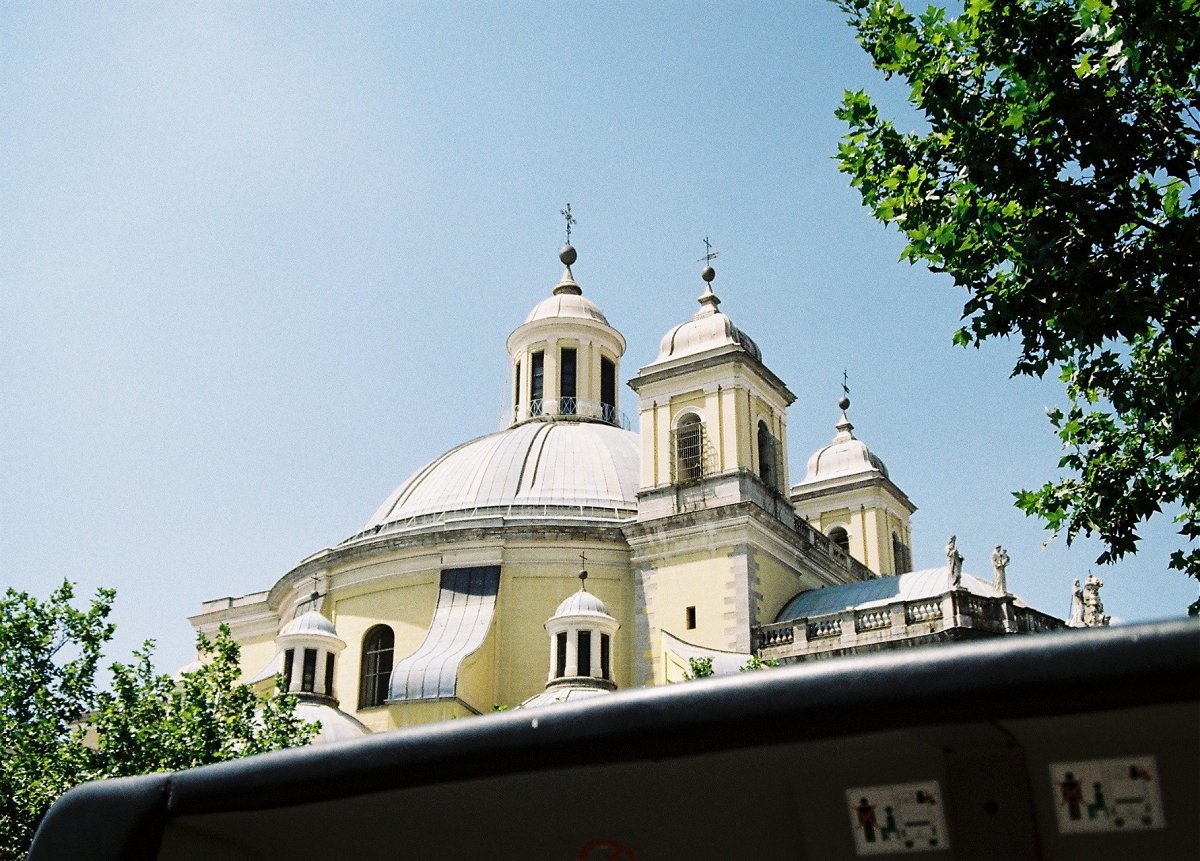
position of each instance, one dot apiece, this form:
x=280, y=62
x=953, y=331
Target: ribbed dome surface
x=846, y=455
x=582, y=603
x=567, y=305
x=540, y=465
x=309, y=623
x=707, y=330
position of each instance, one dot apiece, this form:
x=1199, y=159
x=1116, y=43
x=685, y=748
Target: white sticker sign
x=1107, y=795
x=897, y=818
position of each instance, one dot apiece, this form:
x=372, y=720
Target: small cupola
x=565, y=359
x=308, y=647
x=581, y=636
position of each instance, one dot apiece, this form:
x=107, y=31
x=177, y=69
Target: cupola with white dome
x=848, y=495
x=566, y=358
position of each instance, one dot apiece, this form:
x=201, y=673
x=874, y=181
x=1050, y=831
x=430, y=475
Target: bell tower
x=717, y=547
x=713, y=419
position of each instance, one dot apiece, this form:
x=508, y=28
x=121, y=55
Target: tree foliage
x=1056, y=182
x=59, y=730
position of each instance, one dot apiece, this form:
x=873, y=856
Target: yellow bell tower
x=717, y=547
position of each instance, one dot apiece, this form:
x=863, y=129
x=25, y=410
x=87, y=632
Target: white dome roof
x=582, y=603
x=309, y=623
x=707, y=330
x=845, y=456
x=539, y=468
x=567, y=305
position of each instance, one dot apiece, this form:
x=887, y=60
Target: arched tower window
x=689, y=448
x=766, y=454
x=378, y=645
x=840, y=537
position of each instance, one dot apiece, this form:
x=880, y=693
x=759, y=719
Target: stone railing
x=872, y=620
x=825, y=545
x=955, y=614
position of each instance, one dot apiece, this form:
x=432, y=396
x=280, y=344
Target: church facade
x=463, y=591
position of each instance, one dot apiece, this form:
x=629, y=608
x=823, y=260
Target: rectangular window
x=328, y=676
x=691, y=618
x=608, y=390
x=605, y=672
x=309, y=680
x=537, y=375
x=560, y=668
x=584, y=658
x=289, y=658
x=566, y=377
x=516, y=384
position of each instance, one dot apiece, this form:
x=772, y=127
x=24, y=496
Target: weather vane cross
x=845, y=384
x=709, y=254
x=583, y=570
x=569, y=219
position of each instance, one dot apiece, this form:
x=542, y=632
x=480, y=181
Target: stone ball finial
x=844, y=403
x=708, y=274
x=568, y=255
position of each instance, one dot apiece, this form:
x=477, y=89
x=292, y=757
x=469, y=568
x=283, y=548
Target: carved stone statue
x=1093, y=607
x=1000, y=563
x=1076, y=620
x=954, y=563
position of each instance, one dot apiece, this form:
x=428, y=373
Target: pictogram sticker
x=1107, y=795
x=897, y=818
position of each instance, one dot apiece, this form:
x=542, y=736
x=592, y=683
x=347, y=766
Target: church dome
x=582, y=603
x=846, y=455
x=567, y=305
x=307, y=624
x=572, y=468
x=707, y=330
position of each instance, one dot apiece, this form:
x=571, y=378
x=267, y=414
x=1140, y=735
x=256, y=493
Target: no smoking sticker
x=897, y=818
x=1107, y=795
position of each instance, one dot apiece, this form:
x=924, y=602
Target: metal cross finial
x=845, y=384
x=569, y=218
x=583, y=571
x=709, y=254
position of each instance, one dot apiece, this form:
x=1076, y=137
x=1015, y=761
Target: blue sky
x=258, y=262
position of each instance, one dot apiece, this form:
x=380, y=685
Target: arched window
x=689, y=448
x=376, y=666
x=766, y=453
x=840, y=537
x=566, y=381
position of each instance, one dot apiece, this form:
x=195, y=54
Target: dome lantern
x=565, y=358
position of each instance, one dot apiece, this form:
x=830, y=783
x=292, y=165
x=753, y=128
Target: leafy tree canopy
x=59, y=730
x=1057, y=183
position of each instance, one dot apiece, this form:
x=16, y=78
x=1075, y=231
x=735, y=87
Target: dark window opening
x=605, y=671
x=689, y=442
x=308, y=681
x=560, y=669
x=537, y=379
x=583, y=660
x=328, y=675
x=766, y=453
x=516, y=385
x=608, y=390
x=840, y=537
x=376, y=670
x=289, y=658
x=566, y=377
x=900, y=555
x=690, y=613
